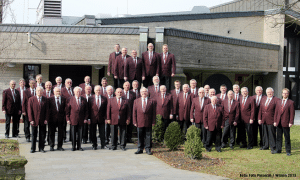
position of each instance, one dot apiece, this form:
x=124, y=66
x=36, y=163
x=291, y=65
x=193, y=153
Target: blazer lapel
x=284, y=108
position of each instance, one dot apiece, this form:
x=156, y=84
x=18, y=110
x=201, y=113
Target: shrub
x=173, y=136
x=193, y=144
x=158, y=130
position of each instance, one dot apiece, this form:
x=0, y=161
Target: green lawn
x=256, y=162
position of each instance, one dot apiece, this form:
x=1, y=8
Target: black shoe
x=231, y=147
x=129, y=141
x=113, y=148
x=288, y=154
x=223, y=146
x=65, y=141
x=6, y=136
x=219, y=150
x=42, y=150
x=139, y=152
x=84, y=142
x=250, y=147
x=73, y=149
x=106, y=142
x=104, y=147
x=94, y=148
x=243, y=146
x=149, y=152
x=80, y=149
x=123, y=148
x=27, y=140
x=118, y=143
x=274, y=152
x=51, y=149
x=262, y=148
x=60, y=149
x=32, y=151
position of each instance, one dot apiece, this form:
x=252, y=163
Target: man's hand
x=206, y=127
x=24, y=114
x=222, y=127
x=135, y=125
x=234, y=123
x=125, y=78
x=192, y=120
x=177, y=117
x=172, y=75
x=32, y=122
x=290, y=125
x=171, y=116
x=4, y=112
x=143, y=78
x=116, y=77
x=275, y=124
x=157, y=74
x=69, y=122
x=259, y=122
x=45, y=122
x=251, y=121
x=128, y=122
x=108, y=121
x=85, y=121
x=108, y=73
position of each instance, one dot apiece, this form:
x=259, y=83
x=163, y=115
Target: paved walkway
x=99, y=164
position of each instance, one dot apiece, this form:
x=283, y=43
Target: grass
x=241, y=163
x=9, y=147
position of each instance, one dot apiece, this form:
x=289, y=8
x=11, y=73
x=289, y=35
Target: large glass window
x=30, y=71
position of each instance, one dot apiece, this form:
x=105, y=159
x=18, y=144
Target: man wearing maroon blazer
x=236, y=90
x=247, y=114
x=237, y=97
x=58, y=84
x=151, y=62
x=175, y=92
x=184, y=108
x=256, y=126
x=11, y=107
x=31, y=91
x=87, y=82
x=284, y=120
x=164, y=106
x=109, y=94
x=154, y=89
x=24, y=102
x=213, y=122
x=231, y=115
x=134, y=68
x=223, y=90
x=120, y=66
x=135, y=89
x=212, y=93
x=39, y=81
x=206, y=88
x=86, y=133
x=118, y=115
x=193, y=88
x=196, y=113
x=111, y=64
x=57, y=114
x=130, y=97
x=144, y=116
x=77, y=116
x=38, y=118
x=48, y=90
x=266, y=120
x=103, y=87
x=97, y=114
x=167, y=67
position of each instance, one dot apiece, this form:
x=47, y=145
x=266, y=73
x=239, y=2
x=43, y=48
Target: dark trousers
x=280, y=131
x=247, y=127
x=184, y=125
x=115, y=82
x=76, y=136
x=85, y=133
x=65, y=129
x=93, y=137
x=166, y=123
x=114, y=135
x=51, y=128
x=257, y=128
x=148, y=81
x=228, y=131
x=203, y=134
x=214, y=135
x=269, y=136
x=197, y=125
x=42, y=135
x=107, y=133
x=129, y=131
x=15, y=120
x=241, y=135
x=120, y=83
x=26, y=126
x=166, y=80
x=144, y=138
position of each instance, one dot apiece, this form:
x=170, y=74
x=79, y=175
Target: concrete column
x=144, y=33
x=159, y=39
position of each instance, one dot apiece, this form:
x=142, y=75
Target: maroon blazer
x=257, y=106
x=51, y=94
x=152, y=68
x=213, y=119
x=183, y=110
x=10, y=106
x=106, y=95
x=219, y=101
x=151, y=91
x=234, y=114
x=101, y=91
x=114, y=112
x=131, y=99
x=97, y=115
x=133, y=71
x=165, y=109
x=141, y=118
x=77, y=114
x=28, y=93
x=196, y=112
x=137, y=94
x=175, y=99
x=240, y=96
x=169, y=66
x=119, y=67
x=111, y=62
x=219, y=96
x=24, y=101
x=266, y=114
x=37, y=112
x=57, y=116
x=196, y=93
x=286, y=115
x=65, y=93
x=82, y=85
x=248, y=111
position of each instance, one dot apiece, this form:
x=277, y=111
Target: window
x=30, y=71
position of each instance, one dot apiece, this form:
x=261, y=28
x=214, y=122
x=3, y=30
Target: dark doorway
x=101, y=74
x=216, y=80
x=76, y=73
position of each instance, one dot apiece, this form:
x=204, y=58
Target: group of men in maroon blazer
x=128, y=68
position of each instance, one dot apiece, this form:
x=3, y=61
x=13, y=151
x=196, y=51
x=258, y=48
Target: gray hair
x=259, y=87
x=143, y=89
x=245, y=88
x=41, y=88
x=77, y=87
x=155, y=77
x=270, y=89
x=235, y=85
x=58, y=77
x=201, y=89
x=68, y=79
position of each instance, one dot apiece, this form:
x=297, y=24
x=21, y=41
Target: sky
x=24, y=11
